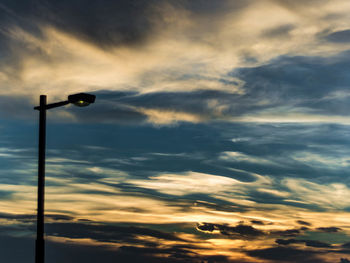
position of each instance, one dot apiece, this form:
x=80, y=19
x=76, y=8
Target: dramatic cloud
x=220, y=131
x=308, y=243
x=287, y=255
x=242, y=231
x=160, y=47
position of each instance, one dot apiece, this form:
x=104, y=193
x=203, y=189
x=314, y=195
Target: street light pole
x=40, y=245
x=81, y=100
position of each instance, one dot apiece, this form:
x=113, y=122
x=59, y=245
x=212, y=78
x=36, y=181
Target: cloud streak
x=157, y=54
x=219, y=133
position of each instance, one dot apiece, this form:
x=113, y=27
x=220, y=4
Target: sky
x=220, y=131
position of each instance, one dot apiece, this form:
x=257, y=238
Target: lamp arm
x=53, y=105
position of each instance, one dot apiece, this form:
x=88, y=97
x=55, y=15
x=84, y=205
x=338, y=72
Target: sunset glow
x=220, y=130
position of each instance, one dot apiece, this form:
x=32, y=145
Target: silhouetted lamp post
x=81, y=100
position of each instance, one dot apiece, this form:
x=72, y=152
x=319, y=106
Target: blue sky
x=220, y=131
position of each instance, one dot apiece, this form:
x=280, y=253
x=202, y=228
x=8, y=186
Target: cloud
x=295, y=85
x=212, y=70
x=286, y=254
x=106, y=233
x=308, y=243
x=108, y=241
x=239, y=231
x=103, y=23
x=326, y=196
x=99, y=186
x=329, y=229
x=280, y=31
x=339, y=36
x=257, y=222
x=288, y=233
x=301, y=222
x=286, y=89
x=176, y=48
x=190, y=182
x=241, y=157
x=164, y=117
x=80, y=251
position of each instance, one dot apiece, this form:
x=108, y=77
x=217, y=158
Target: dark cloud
x=106, y=233
x=311, y=85
x=5, y=194
x=19, y=237
x=59, y=217
x=64, y=226
x=329, y=229
x=104, y=22
x=297, y=5
x=346, y=245
x=240, y=230
x=301, y=222
x=16, y=107
x=308, y=243
x=303, y=82
x=213, y=8
x=339, y=36
x=21, y=249
x=287, y=241
x=284, y=254
x=280, y=31
x=174, y=255
x=257, y=222
x=243, y=230
x=16, y=216
x=206, y=227
x=31, y=217
x=315, y=243
x=288, y=233
x=14, y=13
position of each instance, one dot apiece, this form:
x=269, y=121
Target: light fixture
x=81, y=99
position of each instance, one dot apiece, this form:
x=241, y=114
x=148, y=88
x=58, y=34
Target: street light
x=81, y=100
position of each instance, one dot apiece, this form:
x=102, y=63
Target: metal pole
x=40, y=243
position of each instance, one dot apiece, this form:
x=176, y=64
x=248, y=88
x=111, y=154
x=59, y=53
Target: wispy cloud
x=219, y=132
x=165, y=55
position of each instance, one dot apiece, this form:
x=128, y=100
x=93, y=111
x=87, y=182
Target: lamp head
x=81, y=99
